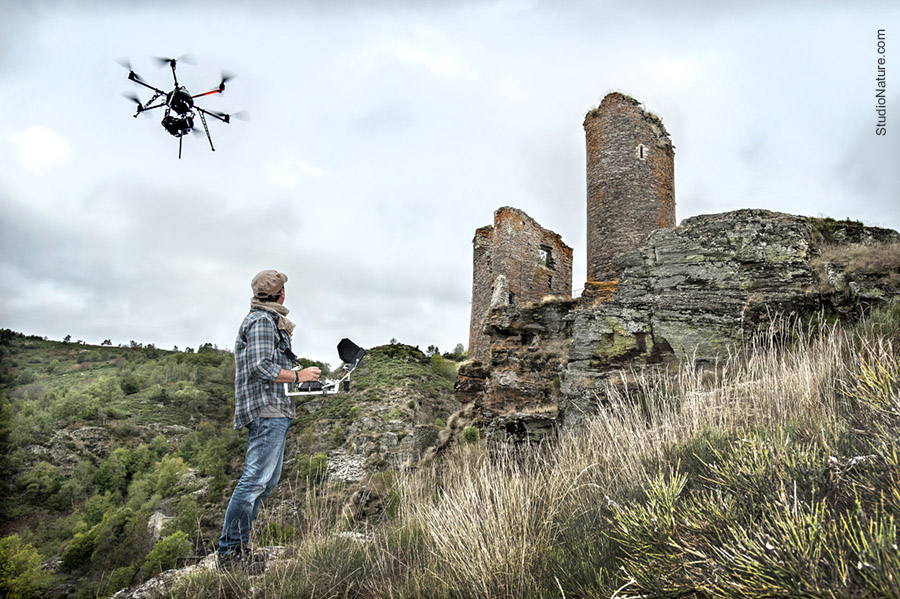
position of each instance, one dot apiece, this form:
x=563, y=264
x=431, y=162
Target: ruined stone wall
x=533, y=260
x=630, y=182
x=482, y=280
x=693, y=292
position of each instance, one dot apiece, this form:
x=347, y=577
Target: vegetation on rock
x=771, y=473
x=118, y=462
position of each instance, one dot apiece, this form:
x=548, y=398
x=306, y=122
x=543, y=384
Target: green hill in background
x=118, y=461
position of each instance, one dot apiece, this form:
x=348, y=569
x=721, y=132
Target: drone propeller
x=226, y=76
x=142, y=109
x=242, y=115
x=161, y=61
x=133, y=97
x=131, y=74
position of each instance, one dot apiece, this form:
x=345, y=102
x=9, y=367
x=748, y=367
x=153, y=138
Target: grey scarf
x=282, y=312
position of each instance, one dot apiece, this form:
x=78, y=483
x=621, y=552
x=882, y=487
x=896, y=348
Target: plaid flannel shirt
x=259, y=356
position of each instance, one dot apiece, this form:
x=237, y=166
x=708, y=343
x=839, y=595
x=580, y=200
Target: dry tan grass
x=490, y=520
x=500, y=522
x=880, y=259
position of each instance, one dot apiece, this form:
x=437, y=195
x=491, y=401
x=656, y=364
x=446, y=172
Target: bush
x=169, y=471
x=77, y=552
x=443, y=368
x=312, y=467
x=42, y=482
x=21, y=575
x=129, y=384
x=119, y=579
x=275, y=534
x=470, y=434
x=337, y=434
x=166, y=553
x=187, y=519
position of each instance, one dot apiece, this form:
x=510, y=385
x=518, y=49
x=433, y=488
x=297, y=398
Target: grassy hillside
x=118, y=461
x=775, y=474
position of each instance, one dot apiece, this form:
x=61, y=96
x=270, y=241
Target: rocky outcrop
x=691, y=292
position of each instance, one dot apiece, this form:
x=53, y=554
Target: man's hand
x=306, y=375
x=309, y=374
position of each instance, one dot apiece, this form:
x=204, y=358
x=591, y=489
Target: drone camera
x=178, y=104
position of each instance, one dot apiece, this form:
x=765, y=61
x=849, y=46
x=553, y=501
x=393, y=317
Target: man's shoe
x=244, y=563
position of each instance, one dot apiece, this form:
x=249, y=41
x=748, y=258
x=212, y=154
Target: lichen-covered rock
x=691, y=292
x=516, y=394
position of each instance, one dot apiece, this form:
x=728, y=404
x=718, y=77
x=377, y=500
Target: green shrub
x=42, y=482
x=443, y=368
x=77, y=552
x=25, y=378
x=129, y=384
x=470, y=434
x=276, y=534
x=169, y=471
x=187, y=518
x=337, y=434
x=21, y=575
x=159, y=446
x=95, y=507
x=119, y=579
x=312, y=467
x=166, y=553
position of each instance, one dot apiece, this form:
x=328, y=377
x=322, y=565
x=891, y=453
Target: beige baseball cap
x=268, y=283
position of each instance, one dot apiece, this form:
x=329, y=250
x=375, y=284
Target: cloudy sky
x=382, y=134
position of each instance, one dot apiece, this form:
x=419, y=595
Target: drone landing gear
x=180, y=109
x=205, y=128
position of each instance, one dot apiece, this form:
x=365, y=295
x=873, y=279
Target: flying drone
x=180, y=110
x=351, y=354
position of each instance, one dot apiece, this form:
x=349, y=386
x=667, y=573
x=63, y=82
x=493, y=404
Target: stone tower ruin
x=630, y=183
x=515, y=261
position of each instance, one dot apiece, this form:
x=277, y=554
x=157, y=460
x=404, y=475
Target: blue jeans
x=262, y=469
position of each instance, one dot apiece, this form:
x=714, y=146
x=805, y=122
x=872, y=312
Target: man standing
x=262, y=355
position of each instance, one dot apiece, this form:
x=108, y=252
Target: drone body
x=179, y=107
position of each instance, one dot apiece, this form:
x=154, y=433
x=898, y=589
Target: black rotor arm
x=225, y=118
x=137, y=79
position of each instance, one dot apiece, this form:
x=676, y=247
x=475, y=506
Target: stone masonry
x=515, y=261
x=656, y=293
x=630, y=182
x=692, y=292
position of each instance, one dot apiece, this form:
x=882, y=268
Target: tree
x=166, y=553
x=129, y=384
x=67, y=338
x=77, y=552
x=107, y=342
x=20, y=569
x=457, y=355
